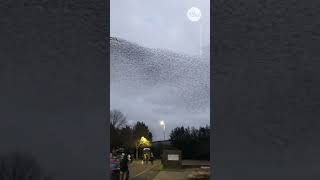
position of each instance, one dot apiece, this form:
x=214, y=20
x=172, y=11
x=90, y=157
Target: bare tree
x=19, y=166
x=117, y=119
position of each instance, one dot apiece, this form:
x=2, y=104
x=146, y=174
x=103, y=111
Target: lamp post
x=164, y=129
x=137, y=148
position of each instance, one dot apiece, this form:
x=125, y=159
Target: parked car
x=115, y=167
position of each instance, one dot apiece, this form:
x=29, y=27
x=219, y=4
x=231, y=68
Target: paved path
x=171, y=175
x=195, y=163
x=181, y=174
x=139, y=171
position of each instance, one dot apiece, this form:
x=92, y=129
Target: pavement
x=172, y=175
x=182, y=174
x=139, y=171
x=195, y=163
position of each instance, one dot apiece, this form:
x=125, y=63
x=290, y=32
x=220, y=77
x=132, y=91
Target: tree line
x=124, y=136
x=194, y=143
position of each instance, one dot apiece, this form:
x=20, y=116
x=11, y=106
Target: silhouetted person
x=124, y=168
x=151, y=158
x=147, y=158
x=132, y=157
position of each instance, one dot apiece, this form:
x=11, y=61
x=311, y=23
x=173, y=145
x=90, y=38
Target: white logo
x=194, y=14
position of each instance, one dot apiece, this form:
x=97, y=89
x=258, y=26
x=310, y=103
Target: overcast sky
x=161, y=23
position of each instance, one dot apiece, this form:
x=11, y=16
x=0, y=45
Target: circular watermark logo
x=194, y=14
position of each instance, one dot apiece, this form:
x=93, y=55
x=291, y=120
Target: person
x=151, y=158
x=145, y=158
x=161, y=159
x=129, y=158
x=132, y=157
x=124, y=168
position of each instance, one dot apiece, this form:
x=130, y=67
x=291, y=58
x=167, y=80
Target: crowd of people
x=128, y=158
x=147, y=158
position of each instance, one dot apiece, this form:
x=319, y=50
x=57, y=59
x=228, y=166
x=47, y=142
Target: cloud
x=161, y=24
x=149, y=107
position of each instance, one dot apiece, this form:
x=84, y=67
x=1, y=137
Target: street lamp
x=164, y=129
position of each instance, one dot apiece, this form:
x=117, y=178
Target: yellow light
x=144, y=142
x=143, y=139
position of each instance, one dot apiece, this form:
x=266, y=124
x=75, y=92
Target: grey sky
x=161, y=23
